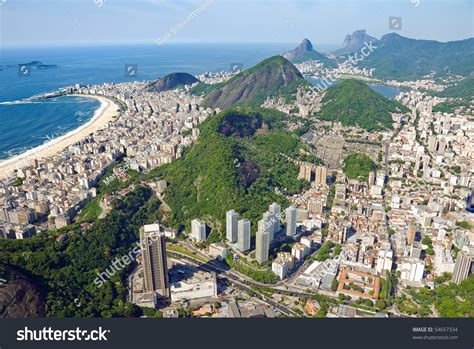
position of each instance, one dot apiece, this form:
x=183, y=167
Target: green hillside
x=234, y=165
x=401, y=58
x=352, y=103
x=171, y=81
x=450, y=106
x=463, y=89
x=68, y=270
x=275, y=76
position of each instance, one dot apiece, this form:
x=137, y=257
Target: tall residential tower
x=231, y=226
x=155, y=267
x=243, y=235
x=291, y=221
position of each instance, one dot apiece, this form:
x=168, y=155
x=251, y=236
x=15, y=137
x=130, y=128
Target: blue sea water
x=26, y=125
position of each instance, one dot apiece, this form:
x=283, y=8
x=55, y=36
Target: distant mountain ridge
x=401, y=58
x=275, y=76
x=354, y=42
x=306, y=52
x=171, y=81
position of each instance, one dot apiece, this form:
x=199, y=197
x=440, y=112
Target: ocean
x=24, y=125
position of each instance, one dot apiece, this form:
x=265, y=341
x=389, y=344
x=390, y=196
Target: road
x=227, y=275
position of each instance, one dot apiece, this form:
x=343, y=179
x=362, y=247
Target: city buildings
x=231, y=226
x=283, y=264
x=464, y=265
x=147, y=133
x=262, y=241
x=290, y=221
x=218, y=251
x=357, y=284
x=384, y=262
x=274, y=211
x=198, y=230
x=340, y=194
x=155, y=267
x=243, y=235
x=195, y=285
x=412, y=270
x=299, y=251
x=316, y=175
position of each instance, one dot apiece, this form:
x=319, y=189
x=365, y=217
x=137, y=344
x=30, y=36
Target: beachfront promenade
x=47, y=186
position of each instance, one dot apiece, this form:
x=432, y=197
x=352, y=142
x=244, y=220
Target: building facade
x=155, y=267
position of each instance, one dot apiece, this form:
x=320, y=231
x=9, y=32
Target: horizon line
x=153, y=42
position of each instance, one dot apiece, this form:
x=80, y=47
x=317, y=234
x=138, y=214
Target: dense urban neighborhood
x=223, y=198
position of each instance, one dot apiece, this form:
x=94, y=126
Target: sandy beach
x=107, y=111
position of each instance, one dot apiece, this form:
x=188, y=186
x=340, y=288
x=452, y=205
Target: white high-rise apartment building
x=291, y=221
x=243, y=235
x=231, y=226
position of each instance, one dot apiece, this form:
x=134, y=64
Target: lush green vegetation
x=463, y=89
x=275, y=76
x=325, y=302
x=448, y=107
x=91, y=211
x=464, y=225
x=387, y=290
x=263, y=276
x=449, y=299
x=358, y=166
x=180, y=249
x=331, y=195
x=427, y=241
x=353, y=103
x=152, y=313
x=400, y=58
x=66, y=270
x=456, y=169
x=171, y=81
x=232, y=168
x=202, y=89
x=324, y=252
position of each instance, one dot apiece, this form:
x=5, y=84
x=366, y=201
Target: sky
x=79, y=22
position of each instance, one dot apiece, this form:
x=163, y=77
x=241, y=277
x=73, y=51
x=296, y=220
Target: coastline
x=106, y=112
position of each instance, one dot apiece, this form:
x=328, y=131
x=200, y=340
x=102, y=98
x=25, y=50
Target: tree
x=380, y=304
x=358, y=166
x=426, y=240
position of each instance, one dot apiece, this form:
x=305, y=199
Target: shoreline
x=107, y=111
